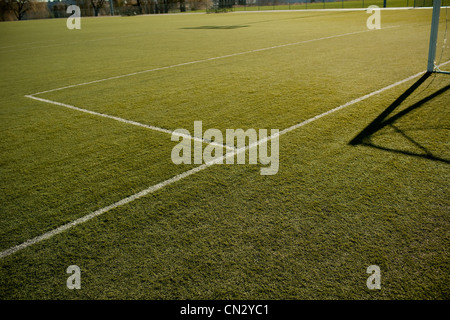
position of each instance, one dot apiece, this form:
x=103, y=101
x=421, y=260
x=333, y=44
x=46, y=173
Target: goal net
x=439, y=49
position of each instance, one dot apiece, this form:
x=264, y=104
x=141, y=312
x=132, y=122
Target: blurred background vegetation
x=11, y=10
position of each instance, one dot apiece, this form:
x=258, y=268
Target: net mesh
x=442, y=44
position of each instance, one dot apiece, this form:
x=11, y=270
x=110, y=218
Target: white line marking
x=208, y=59
x=100, y=211
x=135, y=123
x=185, y=174
x=32, y=96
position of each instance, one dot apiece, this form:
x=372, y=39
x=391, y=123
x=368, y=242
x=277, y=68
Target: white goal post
x=431, y=67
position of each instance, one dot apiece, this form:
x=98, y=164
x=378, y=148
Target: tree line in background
x=40, y=9
x=34, y=9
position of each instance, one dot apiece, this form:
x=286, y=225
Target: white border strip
x=206, y=60
x=32, y=96
x=135, y=123
x=188, y=173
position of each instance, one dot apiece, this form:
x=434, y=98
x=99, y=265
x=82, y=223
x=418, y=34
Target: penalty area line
x=211, y=59
x=135, y=123
x=190, y=172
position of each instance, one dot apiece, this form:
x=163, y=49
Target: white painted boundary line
x=208, y=59
x=32, y=96
x=188, y=173
x=187, y=13
x=135, y=123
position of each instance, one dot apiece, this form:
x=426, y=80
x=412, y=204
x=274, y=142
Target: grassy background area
x=308, y=232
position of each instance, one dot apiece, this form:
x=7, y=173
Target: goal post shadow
x=383, y=120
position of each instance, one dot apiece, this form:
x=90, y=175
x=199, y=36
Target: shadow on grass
x=256, y=22
x=364, y=137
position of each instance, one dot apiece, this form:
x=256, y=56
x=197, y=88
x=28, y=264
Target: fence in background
x=57, y=9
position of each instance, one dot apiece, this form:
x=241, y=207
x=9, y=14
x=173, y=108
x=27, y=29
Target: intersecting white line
x=33, y=96
x=135, y=123
x=155, y=128
x=202, y=167
x=185, y=174
x=208, y=59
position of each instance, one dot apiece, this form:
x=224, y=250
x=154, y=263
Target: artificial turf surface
x=227, y=232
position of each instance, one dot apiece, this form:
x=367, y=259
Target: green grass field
x=226, y=232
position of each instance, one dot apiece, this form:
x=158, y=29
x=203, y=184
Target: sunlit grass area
x=225, y=232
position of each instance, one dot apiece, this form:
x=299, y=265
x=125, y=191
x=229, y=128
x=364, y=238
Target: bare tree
x=139, y=6
x=19, y=7
x=97, y=5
